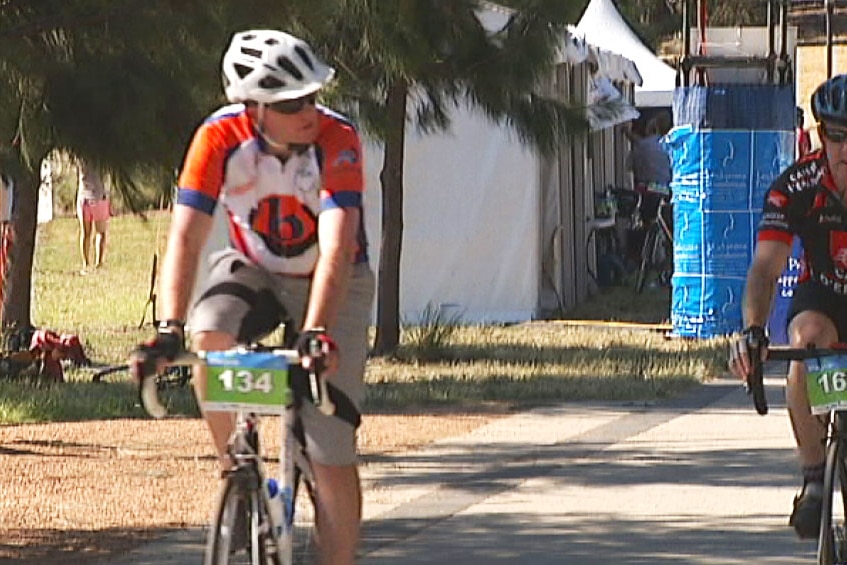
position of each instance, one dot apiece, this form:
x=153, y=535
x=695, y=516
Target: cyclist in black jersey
x=807, y=201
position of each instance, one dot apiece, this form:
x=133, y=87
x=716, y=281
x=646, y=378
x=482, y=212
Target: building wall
x=811, y=71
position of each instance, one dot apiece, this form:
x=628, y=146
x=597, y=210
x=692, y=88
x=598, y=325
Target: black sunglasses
x=834, y=135
x=289, y=107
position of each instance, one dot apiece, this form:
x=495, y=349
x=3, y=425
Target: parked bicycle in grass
x=632, y=232
x=657, y=248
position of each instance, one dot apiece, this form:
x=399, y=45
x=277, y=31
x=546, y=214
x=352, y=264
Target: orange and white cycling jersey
x=272, y=206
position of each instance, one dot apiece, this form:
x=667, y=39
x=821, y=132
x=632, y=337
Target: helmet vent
x=305, y=57
x=242, y=70
x=292, y=69
x=271, y=83
x=252, y=52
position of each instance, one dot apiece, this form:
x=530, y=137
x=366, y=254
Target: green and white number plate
x=250, y=381
x=826, y=383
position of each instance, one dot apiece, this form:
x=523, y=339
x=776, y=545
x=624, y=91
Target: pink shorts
x=93, y=210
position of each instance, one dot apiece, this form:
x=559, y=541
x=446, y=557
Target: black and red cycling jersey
x=803, y=201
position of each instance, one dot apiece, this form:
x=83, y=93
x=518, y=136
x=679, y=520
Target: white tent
x=491, y=229
x=602, y=25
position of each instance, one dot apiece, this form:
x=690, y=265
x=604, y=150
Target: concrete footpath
x=700, y=479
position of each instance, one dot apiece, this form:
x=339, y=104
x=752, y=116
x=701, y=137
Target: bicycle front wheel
x=832, y=548
x=239, y=534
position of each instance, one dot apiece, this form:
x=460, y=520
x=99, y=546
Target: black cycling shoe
x=806, y=517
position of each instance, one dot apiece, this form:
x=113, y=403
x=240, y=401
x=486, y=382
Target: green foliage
x=448, y=59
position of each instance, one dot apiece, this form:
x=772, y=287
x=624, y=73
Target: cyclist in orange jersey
x=287, y=172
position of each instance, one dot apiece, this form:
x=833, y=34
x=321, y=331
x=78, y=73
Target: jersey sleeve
x=202, y=174
x=776, y=223
x=343, y=179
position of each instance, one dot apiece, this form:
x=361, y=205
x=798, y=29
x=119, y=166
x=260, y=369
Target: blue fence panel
x=729, y=145
x=706, y=306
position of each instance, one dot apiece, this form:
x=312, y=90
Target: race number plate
x=249, y=381
x=826, y=383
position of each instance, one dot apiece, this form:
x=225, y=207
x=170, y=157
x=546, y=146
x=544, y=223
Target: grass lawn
x=528, y=363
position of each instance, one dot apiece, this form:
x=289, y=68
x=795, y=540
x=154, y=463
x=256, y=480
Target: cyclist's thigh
x=816, y=312
x=239, y=299
x=331, y=441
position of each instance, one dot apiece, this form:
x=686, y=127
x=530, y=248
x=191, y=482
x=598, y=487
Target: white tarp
x=471, y=222
x=602, y=25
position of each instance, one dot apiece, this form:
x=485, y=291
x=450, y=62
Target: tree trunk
x=17, y=283
x=391, y=178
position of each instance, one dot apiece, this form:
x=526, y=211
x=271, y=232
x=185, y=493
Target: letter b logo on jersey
x=286, y=226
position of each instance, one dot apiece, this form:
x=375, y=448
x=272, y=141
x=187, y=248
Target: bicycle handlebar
x=148, y=390
x=755, y=382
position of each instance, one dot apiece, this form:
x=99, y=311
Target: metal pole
x=829, y=10
x=771, y=43
x=686, y=43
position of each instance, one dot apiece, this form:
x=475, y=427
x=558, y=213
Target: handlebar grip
x=756, y=381
x=320, y=394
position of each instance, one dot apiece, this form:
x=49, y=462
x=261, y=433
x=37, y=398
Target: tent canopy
x=602, y=25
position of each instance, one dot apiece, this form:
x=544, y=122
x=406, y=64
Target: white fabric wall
x=472, y=221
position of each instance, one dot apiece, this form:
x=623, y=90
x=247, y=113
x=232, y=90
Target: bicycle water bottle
x=276, y=506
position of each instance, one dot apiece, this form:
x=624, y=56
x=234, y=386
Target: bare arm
x=188, y=234
x=769, y=261
x=337, y=230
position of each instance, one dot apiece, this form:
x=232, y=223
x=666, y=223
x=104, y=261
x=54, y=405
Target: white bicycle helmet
x=267, y=66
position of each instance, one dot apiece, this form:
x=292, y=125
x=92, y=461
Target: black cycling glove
x=755, y=337
x=165, y=346
x=314, y=343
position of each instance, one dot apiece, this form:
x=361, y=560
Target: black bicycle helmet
x=829, y=101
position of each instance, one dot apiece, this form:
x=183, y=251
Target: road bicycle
x=251, y=382
x=826, y=385
x=657, y=250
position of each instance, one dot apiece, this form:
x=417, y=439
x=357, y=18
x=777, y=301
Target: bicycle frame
x=249, y=465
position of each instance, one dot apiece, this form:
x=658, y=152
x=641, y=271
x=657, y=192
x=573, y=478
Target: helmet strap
x=260, y=119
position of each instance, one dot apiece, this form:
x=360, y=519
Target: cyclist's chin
x=839, y=175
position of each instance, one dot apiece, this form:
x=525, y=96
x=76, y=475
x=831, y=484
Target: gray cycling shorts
x=248, y=302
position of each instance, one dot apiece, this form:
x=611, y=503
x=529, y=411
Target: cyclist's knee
x=812, y=328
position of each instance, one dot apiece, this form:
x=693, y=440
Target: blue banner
x=729, y=144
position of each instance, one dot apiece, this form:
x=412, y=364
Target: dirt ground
x=85, y=492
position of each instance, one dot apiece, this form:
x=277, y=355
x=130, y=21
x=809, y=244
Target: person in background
x=648, y=161
x=92, y=210
x=804, y=138
x=651, y=171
